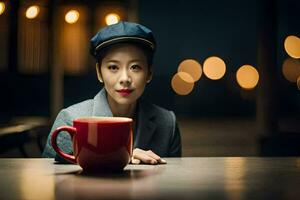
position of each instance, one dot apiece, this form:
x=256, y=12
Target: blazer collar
x=101, y=107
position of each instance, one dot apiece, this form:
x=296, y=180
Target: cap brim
x=125, y=39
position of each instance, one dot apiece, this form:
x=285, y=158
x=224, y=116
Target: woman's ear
x=150, y=75
x=99, y=73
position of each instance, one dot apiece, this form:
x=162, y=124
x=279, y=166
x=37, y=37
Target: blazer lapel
x=146, y=126
x=101, y=107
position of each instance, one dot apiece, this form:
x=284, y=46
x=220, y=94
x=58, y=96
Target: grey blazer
x=156, y=127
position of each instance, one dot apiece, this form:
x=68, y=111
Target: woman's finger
x=135, y=161
x=152, y=154
x=144, y=157
x=155, y=156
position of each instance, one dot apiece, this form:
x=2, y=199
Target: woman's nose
x=125, y=78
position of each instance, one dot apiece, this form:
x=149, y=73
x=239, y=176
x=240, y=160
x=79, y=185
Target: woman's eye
x=112, y=67
x=136, y=67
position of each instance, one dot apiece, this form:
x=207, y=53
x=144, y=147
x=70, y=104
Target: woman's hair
x=149, y=53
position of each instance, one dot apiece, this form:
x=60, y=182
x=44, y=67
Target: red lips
x=125, y=92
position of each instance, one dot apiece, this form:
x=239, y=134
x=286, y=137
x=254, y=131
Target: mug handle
x=72, y=131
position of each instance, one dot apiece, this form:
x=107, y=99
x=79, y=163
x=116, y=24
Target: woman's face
x=124, y=72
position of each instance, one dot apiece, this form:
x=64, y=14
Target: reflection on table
x=181, y=178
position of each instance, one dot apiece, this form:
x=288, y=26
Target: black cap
x=121, y=32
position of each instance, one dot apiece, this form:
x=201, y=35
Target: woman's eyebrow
x=136, y=60
x=117, y=61
x=112, y=60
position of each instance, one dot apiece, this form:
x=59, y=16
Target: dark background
x=183, y=29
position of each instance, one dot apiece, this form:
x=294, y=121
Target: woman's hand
x=146, y=157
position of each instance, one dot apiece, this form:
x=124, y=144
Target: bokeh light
x=72, y=16
x=2, y=8
x=32, y=12
x=112, y=18
x=292, y=46
x=186, y=77
x=247, y=77
x=180, y=86
x=291, y=69
x=214, y=68
x=192, y=67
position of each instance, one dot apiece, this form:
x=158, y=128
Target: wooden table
x=181, y=178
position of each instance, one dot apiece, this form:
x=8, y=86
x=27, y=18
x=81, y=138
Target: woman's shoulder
x=161, y=109
x=163, y=114
x=83, y=108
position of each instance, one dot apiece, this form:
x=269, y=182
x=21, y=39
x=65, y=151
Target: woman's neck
x=119, y=110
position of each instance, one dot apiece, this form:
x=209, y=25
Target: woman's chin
x=125, y=101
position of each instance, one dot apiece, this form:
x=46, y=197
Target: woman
x=124, y=53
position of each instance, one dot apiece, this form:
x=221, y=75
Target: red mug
x=99, y=143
